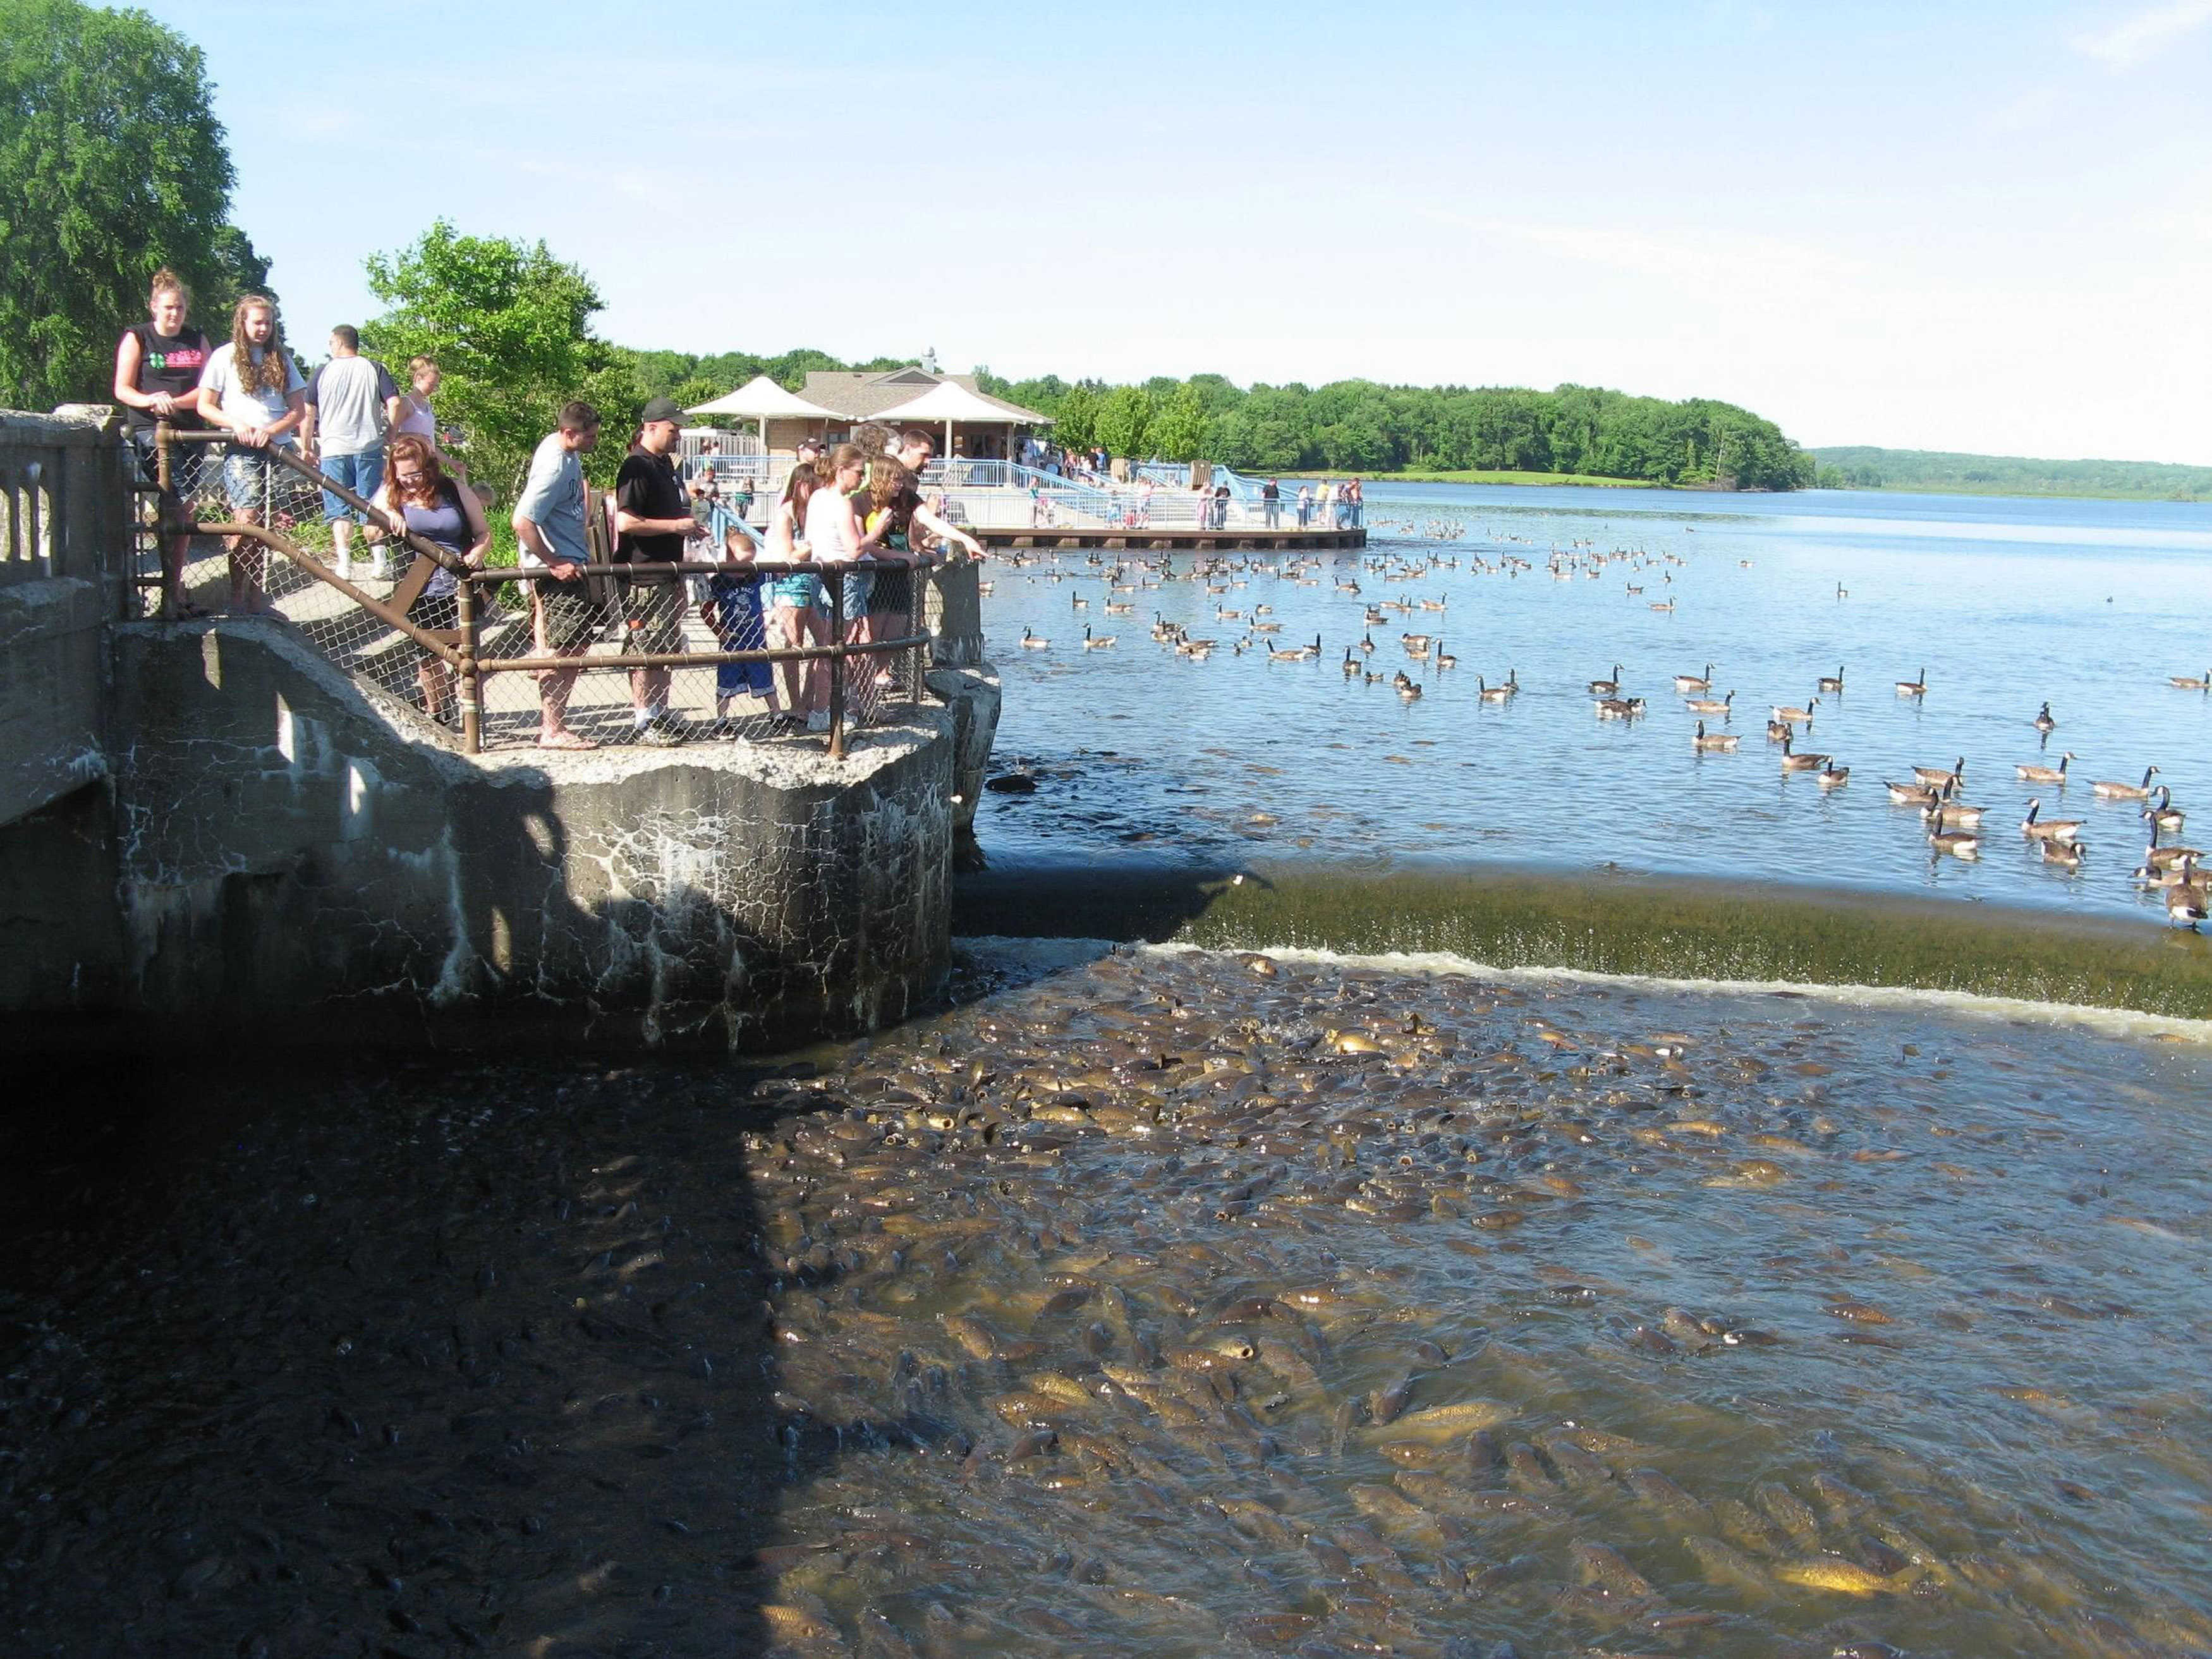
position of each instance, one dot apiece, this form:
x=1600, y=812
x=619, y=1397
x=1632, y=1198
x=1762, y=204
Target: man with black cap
x=652, y=523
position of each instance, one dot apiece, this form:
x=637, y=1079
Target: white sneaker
x=381, y=568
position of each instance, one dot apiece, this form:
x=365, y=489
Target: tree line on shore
x=1346, y=426
x=1861, y=466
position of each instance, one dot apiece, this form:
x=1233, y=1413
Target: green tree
x=511, y=326
x=1076, y=419
x=112, y=165
x=1123, y=417
x=1178, y=431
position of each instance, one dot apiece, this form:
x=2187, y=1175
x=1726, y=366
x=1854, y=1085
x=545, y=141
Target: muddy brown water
x=1158, y=1302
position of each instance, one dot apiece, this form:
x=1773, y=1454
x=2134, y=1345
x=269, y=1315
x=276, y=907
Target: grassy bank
x=1681, y=929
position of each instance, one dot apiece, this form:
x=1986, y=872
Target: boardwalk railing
x=622, y=653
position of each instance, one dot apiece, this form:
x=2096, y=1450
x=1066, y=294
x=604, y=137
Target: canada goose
x=1444, y=658
x=1031, y=642
x=1954, y=814
x=1832, y=776
x=1367, y=643
x=2043, y=722
x=1122, y=609
x=2165, y=858
x=1910, y=794
x=1078, y=602
x=1101, y=642
x=1778, y=731
x=1410, y=691
x=1620, y=708
x=1667, y=605
x=2162, y=811
x=1688, y=683
x=1794, y=762
x=1263, y=609
x=1723, y=742
x=1833, y=682
x=2065, y=854
x=1789, y=716
x=1953, y=779
x=2036, y=827
x=1606, y=688
x=2111, y=791
x=2191, y=682
x=1959, y=843
x=1265, y=627
x=1842, y=592
x=1417, y=645
x=2031, y=774
x=2187, y=900
x=1721, y=706
x=1434, y=605
x=1490, y=693
x=1351, y=663
x=1914, y=688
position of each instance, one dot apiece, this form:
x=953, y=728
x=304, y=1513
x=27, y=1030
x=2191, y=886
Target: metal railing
x=502, y=653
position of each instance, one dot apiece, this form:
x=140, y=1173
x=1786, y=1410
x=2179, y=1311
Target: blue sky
x=1969, y=226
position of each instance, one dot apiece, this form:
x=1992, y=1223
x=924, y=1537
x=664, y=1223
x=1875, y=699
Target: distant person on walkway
x=1325, y=502
x=549, y=524
x=653, y=525
x=351, y=402
x=416, y=497
x=1271, y=502
x=795, y=604
x=252, y=387
x=1221, y=507
x=1353, y=498
x=158, y=365
x=417, y=417
x=1305, y=505
x=1144, y=504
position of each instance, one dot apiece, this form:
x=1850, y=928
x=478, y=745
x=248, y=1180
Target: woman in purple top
x=418, y=497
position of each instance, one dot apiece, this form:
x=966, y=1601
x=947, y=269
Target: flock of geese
x=1951, y=826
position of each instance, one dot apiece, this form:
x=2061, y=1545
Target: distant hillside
x=1862, y=467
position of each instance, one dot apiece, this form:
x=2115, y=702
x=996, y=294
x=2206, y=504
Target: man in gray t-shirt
x=351, y=403
x=549, y=524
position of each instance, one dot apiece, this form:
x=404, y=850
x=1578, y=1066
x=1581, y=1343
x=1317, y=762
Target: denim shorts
x=364, y=474
x=249, y=478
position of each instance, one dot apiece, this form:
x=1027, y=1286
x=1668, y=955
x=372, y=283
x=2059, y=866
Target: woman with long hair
x=417, y=497
x=252, y=387
x=794, y=601
x=158, y=364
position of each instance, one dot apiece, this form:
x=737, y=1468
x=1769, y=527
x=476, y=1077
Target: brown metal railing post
x=471, y=683
x=163, y=528
x=836, y=585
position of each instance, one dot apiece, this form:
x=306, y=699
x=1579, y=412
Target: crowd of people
x=851, y=523
x=342, y=419
x=843, y=544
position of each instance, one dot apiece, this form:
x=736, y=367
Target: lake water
x=2003, y=605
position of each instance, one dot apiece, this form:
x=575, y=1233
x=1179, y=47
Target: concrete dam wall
x=270, y=849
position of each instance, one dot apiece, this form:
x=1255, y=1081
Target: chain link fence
x=657, y=654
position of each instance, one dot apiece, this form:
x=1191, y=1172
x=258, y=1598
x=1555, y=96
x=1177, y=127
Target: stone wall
x=293, y=846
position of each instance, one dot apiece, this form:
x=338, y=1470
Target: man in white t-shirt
x=351, y=403
x=259, y=401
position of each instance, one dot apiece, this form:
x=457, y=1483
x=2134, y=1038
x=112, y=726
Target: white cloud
x=2129, y=43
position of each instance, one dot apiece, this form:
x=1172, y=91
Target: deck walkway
x=1179, y=538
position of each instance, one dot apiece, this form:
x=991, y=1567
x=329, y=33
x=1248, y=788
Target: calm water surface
x=2003, y=604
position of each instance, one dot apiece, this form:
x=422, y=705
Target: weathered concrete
x=64, y=496
x=294, y=845
x=210, y=829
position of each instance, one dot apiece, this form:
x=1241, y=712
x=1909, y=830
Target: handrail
x=471, y=669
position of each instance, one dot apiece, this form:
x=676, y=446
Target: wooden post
x=162, y=529
x=471, y=683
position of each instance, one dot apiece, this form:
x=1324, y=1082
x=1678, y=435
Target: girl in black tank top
x=154, y=368
x=170, y=363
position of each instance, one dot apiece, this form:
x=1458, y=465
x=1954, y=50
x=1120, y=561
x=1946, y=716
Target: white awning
x=948, y=400
x=762, y=399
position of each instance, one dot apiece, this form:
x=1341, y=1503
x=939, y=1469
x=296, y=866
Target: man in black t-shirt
x=653, y=523
x=1271, y=499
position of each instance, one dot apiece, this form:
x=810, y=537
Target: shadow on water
x=402, y=1359
x=1605, y=922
